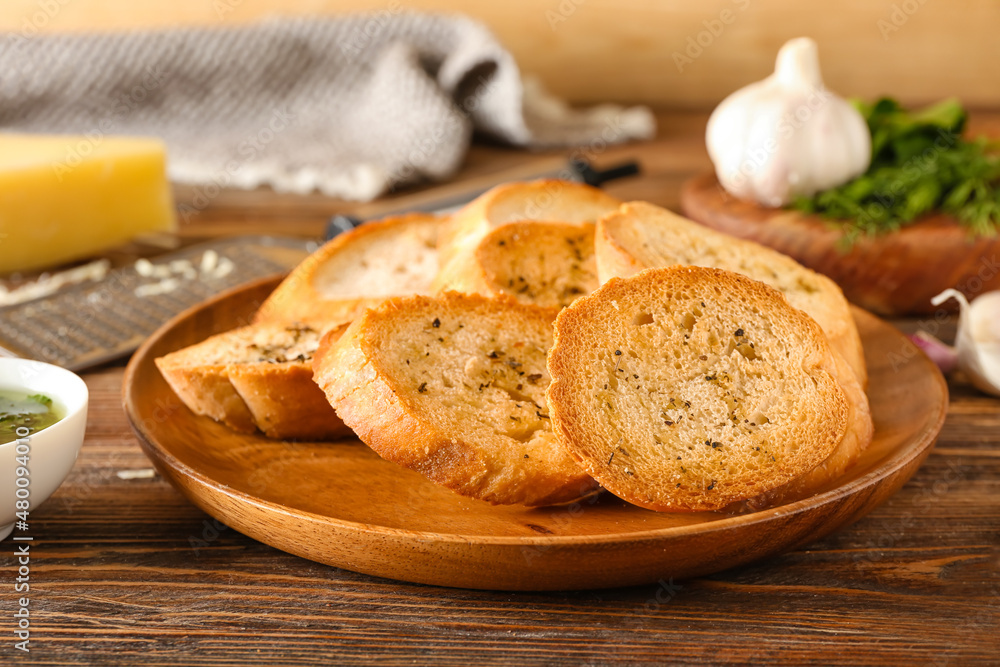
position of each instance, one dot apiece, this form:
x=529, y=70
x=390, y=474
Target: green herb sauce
x=20, y=409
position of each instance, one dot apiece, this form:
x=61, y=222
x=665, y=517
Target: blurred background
x=675, y=58
x=666, y=53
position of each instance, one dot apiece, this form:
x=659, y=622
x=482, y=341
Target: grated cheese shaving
x=209, y=266
x=51, y=283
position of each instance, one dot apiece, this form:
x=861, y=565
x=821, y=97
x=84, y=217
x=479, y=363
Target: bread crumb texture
x=640, y=235
x=454, y=387
x=357, y=269
x=393, y=257
x=691, y=388
x=546, y=264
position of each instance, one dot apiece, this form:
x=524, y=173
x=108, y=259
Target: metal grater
x=89, y=324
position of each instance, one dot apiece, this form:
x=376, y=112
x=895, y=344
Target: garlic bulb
x=978, y=340
x=787, y=135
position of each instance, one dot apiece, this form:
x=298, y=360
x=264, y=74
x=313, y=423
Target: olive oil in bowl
x=20, y=410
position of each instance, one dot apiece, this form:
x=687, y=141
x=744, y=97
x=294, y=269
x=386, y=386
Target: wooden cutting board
x=893, y=274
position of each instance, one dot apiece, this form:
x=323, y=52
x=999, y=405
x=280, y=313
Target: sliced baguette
x=640, y=236
x=546, y=200
x=358, y=269
x=257, y=377
x=859, y=435
x=688, y=388
x=454, y=388
x=546, y=264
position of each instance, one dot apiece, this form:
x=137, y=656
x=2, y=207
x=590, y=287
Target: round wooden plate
x=892, y=274
x=340, y=504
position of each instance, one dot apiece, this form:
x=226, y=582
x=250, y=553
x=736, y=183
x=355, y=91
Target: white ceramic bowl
x=53, y=450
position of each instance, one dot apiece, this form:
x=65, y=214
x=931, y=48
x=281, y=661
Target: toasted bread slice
x=546, y=264
x=640, y=236
x=256, y=377
x=859, y=435
x=358, y=269
x=689, y=388
x=454, y=388
x=546, y=200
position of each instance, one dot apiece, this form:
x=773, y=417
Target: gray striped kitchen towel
x=351, y=106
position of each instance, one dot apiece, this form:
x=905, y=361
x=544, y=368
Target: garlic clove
x=978, y=340
x=942, y=354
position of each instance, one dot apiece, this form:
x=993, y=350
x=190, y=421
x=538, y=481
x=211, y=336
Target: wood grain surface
x=890, y=274
x=129, y=572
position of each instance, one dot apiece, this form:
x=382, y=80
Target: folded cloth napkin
x=351, y=106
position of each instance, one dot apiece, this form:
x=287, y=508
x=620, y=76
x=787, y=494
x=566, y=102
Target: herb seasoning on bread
x=454, y=388
x=689, y=389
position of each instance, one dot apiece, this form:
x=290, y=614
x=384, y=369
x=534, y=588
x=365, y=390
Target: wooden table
x=125, y=571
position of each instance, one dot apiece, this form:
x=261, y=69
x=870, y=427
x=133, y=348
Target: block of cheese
x=68, y=197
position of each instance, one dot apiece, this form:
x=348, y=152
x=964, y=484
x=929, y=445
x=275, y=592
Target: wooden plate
x=892, y=274
x=340, y=504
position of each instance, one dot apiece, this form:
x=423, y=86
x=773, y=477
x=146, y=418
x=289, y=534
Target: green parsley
x=920, y=163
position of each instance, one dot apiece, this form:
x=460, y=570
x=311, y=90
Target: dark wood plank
x=130, y=570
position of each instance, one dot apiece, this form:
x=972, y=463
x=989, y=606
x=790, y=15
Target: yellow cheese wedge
x=69, y=197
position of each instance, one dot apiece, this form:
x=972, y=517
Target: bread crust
x=619, y=253
x=300, y=297
x=219, y=378
x=548, y=264
x=597, y=424
x=859, y=434
x=544, y=200
x=375, y=391
x=206, y=390
x=284, y=401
